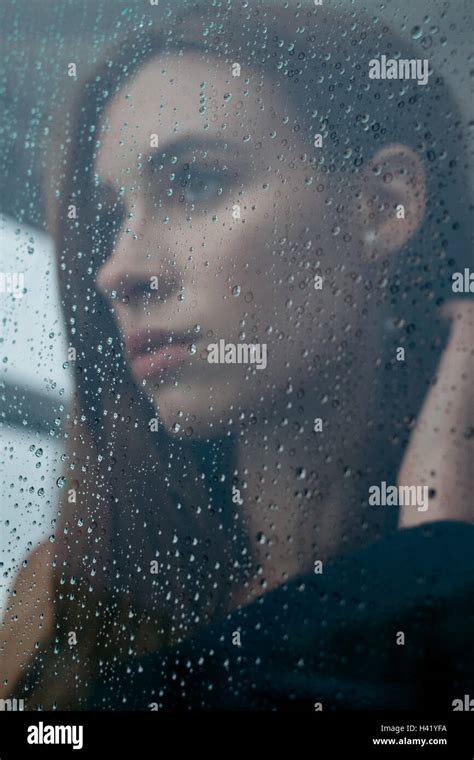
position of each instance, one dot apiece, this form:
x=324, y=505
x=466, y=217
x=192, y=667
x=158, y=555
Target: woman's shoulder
x=373, y=630
x=28, y=616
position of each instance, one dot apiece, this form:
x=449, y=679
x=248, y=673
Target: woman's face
x=222, y=222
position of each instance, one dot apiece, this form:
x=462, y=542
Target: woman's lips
x=151, y=352
x=158, y=360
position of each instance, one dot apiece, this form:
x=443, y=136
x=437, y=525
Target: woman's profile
x=252, y=284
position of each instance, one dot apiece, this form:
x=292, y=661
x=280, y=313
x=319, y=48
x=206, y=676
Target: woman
x=238, y=180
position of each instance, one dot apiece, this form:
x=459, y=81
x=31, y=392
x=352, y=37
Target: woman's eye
x=200, y=187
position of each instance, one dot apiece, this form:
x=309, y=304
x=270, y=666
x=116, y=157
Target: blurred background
x=38, y=39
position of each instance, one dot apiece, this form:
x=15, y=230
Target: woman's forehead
x=176, y=96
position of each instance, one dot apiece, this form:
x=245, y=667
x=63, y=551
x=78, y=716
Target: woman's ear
x=392, y=200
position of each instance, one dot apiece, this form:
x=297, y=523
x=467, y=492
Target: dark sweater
x=333, y=638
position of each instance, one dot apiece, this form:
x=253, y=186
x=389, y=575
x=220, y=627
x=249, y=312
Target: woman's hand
x=441, y=450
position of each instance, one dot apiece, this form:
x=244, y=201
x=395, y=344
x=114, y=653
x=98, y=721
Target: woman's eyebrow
x=181, y=146
x=189, y=144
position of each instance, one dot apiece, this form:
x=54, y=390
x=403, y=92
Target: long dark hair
x=133, y=496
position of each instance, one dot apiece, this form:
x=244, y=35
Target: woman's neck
x=293, y=504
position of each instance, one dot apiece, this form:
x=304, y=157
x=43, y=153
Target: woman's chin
x=203, y=409
x=189, y=413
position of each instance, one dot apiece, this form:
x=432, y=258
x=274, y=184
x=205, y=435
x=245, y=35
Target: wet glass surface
x=237, y=350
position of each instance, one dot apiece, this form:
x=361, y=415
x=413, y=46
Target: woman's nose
x=136, y=272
